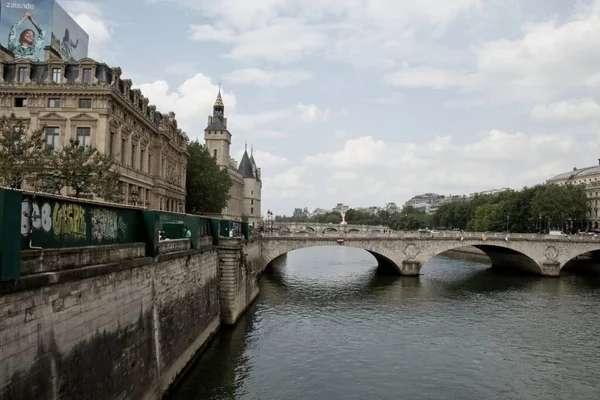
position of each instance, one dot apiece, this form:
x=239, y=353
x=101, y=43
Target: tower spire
x=219, y=107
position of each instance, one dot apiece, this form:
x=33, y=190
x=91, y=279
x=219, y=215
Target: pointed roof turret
x=246, y=166
x=219, y=101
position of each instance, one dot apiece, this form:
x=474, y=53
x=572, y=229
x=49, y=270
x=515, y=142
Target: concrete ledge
x=51, y=260
x=172, y=246
x=29, y=282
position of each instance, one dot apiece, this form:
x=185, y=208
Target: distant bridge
x=311, y=227
x=406, y=253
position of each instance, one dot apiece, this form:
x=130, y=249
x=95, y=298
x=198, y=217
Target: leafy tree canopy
x=22, y=155
x=207, y=183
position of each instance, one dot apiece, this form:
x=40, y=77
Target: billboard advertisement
x=26, y=26
x=68, y=38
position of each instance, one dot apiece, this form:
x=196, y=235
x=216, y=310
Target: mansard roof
x=246, y=166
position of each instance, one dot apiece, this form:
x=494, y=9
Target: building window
x=87, y=75
x=252, y=193
x=56, y=75
x=53, y=103
x=20, y=101
x=150, y=163
x=123, y=151
x=83, y=136
x=85, y=103
x=22, y=75
x=215, y=153
x=52, y=139
x=252, y=210
x=111, y=145
x=252, y=202
x=142, y=159
x=133, y=148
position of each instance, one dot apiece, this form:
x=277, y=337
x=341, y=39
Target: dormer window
x=56, y=75
x=22, y=75
x=87, y=75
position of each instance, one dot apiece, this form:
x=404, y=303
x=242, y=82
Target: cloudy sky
x=370, y=101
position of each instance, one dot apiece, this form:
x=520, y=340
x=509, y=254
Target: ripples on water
x=327, y=327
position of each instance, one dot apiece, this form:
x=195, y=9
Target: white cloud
x=390, y=170
x=340, y=133
x=287, y=30
x=567, y=110
x=92, y=19
x=262, y=77
x=429, y=77
x=287, y=184
x=260, y=124
x=548, y=60
x=192, y=101
x=345, y=175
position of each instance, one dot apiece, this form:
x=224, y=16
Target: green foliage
x=85, y=170
x=22, y=155
x=519, y=211
x=206, y=182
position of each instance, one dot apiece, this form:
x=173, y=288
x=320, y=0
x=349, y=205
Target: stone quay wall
x=71, y=328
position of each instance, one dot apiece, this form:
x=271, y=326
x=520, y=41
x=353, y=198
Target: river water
x=325, y=326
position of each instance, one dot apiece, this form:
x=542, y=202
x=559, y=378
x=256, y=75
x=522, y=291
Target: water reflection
x=326, y=326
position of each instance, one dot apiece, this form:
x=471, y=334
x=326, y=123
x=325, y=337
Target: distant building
x=590, y=178
x=245, y=192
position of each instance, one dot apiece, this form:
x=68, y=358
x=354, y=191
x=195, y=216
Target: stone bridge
x=310, y=227
x=406, y=253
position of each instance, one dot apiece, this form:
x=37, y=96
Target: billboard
x=26, y=26
x=68, y=38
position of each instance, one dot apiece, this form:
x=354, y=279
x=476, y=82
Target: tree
x=85, y=170
x=22, y=155
x=206, y=182
x=557, y=204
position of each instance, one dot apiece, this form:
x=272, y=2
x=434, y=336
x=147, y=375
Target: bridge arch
x=273, y=248
x=499, y=255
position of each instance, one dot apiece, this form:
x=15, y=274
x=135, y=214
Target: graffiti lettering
x=68, y=220
x=105, y=225
x=32, y=215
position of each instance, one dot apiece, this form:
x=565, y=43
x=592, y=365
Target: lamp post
x=507, y=218
x=540, y=230
x=270, y=220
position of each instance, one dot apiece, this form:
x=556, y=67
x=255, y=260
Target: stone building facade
x=89, y=101
x=590, y=178
x=245, y=192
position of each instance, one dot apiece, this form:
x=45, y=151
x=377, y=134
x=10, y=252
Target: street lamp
x=540, y=230
x=507, y=218
x=270, y=218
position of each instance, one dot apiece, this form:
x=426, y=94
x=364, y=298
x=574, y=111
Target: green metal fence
x=34, y=221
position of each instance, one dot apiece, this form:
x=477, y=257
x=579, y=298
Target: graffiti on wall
x=60, y=219
x=36, y=217
x=107, y=225
x=69, y=220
